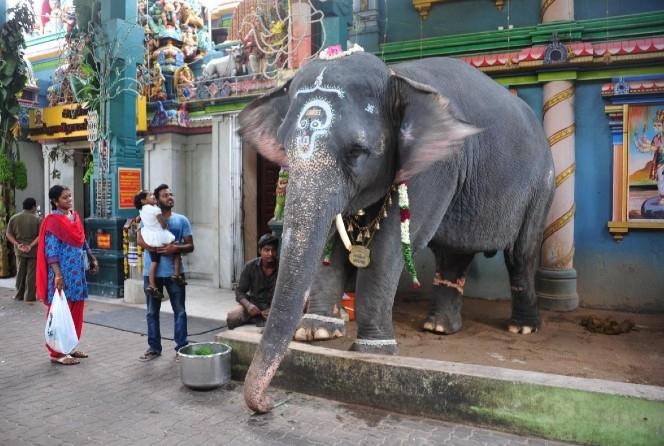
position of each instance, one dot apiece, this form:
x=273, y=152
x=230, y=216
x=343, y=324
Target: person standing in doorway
x=23, y=233
x=180, y=227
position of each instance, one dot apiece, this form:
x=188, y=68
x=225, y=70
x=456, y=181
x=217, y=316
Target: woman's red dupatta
x=70, y=232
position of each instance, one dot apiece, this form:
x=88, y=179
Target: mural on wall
x=645, y=163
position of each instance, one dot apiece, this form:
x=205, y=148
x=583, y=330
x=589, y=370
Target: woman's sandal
x=66, y=360
x=78, y=354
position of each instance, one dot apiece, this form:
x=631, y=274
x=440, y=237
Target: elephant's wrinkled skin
x=480, y=177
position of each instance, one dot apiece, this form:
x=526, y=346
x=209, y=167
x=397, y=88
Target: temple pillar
x=556, y=277
x=300, y=32
x=365, y=31
x=228, y=158
x=105, y=229
x=338, y=16
x=3, y=12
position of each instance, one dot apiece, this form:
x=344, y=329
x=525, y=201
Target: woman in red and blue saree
x=61, y=257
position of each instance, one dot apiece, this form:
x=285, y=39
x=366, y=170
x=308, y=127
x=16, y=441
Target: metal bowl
x=202, y=371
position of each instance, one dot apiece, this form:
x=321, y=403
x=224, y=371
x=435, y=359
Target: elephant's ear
x=428, y=130
x=260, y=121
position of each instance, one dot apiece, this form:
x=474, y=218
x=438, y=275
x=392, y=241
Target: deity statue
x=189, y=17
x=189, y=43
x=170, y=10
x=183, y=116
x=184, y=83
x=170, y=57
x=54, y=17
x=143, y=80
x=52, y=96
x=69, y=18
x=157, y=84
x=280, y=202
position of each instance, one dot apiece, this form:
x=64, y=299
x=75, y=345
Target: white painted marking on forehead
x=318, y=86
x=370, y=108
x=315, y=119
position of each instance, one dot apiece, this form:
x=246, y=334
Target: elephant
x=479, y=173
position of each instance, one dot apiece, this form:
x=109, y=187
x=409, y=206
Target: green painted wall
x=452, y=17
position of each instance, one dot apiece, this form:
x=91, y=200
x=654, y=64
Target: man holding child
x=165, y=275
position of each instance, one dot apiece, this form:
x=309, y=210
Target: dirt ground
x=561, y=346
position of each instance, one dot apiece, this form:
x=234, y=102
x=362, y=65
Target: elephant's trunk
x=302, y=247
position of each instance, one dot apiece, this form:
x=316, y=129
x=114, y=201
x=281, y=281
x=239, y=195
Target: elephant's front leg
x=322, y=319
x=375, y=290
x=447, y=292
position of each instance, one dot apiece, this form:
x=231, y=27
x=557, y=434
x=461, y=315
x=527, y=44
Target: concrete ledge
x=133, y=291
x=589, y=411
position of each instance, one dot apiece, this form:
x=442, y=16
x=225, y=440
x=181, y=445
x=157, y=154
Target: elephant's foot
x=314, y=327
x=442, y=324
x=377, y=346
x=523, y=329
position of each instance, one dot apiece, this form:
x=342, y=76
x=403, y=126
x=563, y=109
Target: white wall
x=186, y=164
x=205, y=175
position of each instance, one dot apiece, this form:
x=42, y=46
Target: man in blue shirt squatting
x=184, y=243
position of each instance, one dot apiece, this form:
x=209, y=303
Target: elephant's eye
x=356, y=151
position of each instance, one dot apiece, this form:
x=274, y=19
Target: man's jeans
x=176, y=293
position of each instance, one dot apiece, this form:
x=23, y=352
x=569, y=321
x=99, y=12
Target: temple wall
x=626, y=274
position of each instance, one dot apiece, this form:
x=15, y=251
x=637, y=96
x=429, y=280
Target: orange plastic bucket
x=348, y=304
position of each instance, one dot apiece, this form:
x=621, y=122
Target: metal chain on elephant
x=360, y=254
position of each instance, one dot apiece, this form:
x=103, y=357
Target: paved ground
x=113, y=399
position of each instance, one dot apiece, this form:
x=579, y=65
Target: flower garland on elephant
x=406, y=250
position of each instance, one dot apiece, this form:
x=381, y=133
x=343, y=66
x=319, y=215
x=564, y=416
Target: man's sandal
x=78, y=354
x=149, y=356
x=66, y=360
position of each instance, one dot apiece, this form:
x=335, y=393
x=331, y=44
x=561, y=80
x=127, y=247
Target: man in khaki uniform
x=23, y=233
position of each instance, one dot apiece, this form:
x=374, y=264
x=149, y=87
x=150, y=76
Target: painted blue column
x=119, y=25
x=3, y=11
x=338, y=16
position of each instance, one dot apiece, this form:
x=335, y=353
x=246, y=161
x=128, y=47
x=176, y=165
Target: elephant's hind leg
x=522, y=260
x=447, y=292
x=322, y=320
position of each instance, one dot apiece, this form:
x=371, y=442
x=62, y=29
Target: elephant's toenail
x=321, y=333
x=300, y=334
x=440, y=328
x=428, y=326
x=526, y=330
x=513, y=329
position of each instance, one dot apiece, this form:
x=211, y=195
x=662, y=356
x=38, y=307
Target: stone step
x=557, y=407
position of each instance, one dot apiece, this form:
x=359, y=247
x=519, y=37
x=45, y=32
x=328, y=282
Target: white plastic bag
x=60, y=332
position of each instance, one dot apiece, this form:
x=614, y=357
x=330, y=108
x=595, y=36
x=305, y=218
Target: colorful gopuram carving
x=176, y=42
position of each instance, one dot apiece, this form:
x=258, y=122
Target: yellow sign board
x=58, y=122
x=70, y=121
